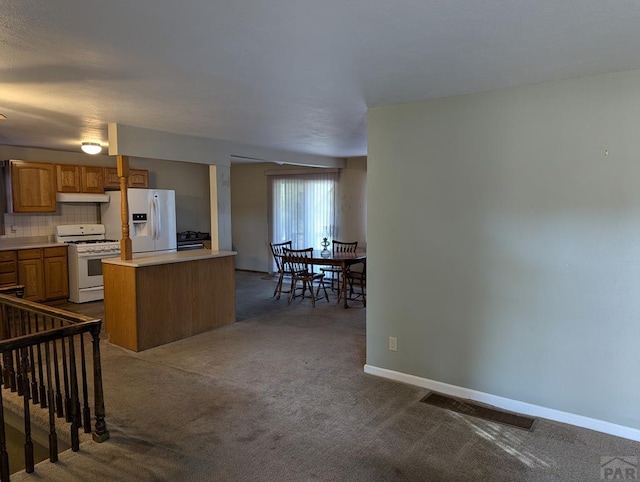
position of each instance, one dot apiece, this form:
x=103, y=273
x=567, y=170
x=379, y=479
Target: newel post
x=126, y=252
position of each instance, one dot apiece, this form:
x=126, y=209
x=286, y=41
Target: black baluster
x=17, y=318
x=53, y=435
x=73, y=402
x=65, y=376
x=4, y=456
x=101, y=434
x=86, y=412
x=43, y=389
x=56, y=363
x=28, y=443
x=35, y=396
x=8, y=379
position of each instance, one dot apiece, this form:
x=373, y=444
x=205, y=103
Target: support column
x=126, y=250
x=220, y=193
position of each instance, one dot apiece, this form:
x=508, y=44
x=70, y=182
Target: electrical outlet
x=393, y=343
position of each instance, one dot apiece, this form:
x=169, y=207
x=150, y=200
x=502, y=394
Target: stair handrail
x=31, y=337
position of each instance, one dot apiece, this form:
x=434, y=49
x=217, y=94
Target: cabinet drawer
x=7, y=256
x=9, y=278
x=57, y=251
x=8, y=267
x=35, y=253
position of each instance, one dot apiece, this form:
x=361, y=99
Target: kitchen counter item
x=158, y=299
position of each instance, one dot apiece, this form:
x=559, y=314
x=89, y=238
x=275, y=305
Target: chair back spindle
x=344, y=247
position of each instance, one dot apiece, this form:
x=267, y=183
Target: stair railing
x=39, y=348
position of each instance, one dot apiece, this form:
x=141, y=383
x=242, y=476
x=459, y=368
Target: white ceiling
x=295, y=75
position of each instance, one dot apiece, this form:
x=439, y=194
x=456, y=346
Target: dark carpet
x=281, y=396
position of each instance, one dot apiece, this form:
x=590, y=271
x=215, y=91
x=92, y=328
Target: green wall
x=504, y=243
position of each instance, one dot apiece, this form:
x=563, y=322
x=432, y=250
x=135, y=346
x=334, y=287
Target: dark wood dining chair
x=277, y=249
x=336, y=271
x=302, y=276
x=356, y=285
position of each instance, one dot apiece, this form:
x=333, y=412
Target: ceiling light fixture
x=3, y=117
x=91, y=147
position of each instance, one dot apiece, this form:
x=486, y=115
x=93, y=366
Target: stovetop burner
x=91, y=241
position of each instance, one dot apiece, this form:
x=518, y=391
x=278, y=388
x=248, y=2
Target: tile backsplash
x=43, y=224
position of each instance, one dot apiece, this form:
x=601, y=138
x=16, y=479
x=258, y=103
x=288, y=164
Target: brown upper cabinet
x=137, y=178
x=71, y=178
x=92, y=179
x=33, y=187
x=68, y=178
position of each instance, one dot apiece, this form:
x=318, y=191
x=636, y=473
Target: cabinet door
x=33, y=187
x=111, y=180
x=56, y=278
x=31, y=275
x=138, y=178
x=92, y=179
x=68, y=178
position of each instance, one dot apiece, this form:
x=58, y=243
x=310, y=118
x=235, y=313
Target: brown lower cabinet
x=56, y=275
x=8, y=268
x=42, y=271
x=31, y=273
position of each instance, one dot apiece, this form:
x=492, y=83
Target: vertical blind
x=303, y=208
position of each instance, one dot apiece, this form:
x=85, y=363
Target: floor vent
x=474, y=409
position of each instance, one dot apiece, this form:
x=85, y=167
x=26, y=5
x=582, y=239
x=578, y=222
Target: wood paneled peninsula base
x=150, y=301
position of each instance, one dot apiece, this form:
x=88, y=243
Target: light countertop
x=7, y=244
x=169, y=258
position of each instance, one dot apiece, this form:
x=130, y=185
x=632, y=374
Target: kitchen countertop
x=7, y=244
x=168, y=258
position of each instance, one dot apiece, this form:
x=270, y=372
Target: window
x=303, y=207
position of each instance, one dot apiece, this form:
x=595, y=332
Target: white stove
x=87, y=248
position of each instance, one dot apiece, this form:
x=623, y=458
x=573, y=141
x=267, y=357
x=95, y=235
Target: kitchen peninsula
x=153, y=300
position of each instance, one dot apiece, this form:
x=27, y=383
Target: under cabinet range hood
x=81, y=197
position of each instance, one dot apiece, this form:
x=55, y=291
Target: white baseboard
x=508, y=404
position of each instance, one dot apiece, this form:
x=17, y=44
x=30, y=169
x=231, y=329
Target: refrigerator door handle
x=158, y=220
x=152, y=219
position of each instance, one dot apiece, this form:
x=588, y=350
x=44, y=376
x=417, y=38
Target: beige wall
x=249, y=210
x=249, y=227
x=352, y=224
x=190, y=181
x=503, y=244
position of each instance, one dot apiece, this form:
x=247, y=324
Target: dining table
x=341, y=260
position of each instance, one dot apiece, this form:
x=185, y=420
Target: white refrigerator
x=152, y=219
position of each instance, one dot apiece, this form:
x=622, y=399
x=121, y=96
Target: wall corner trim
x=508, y=404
